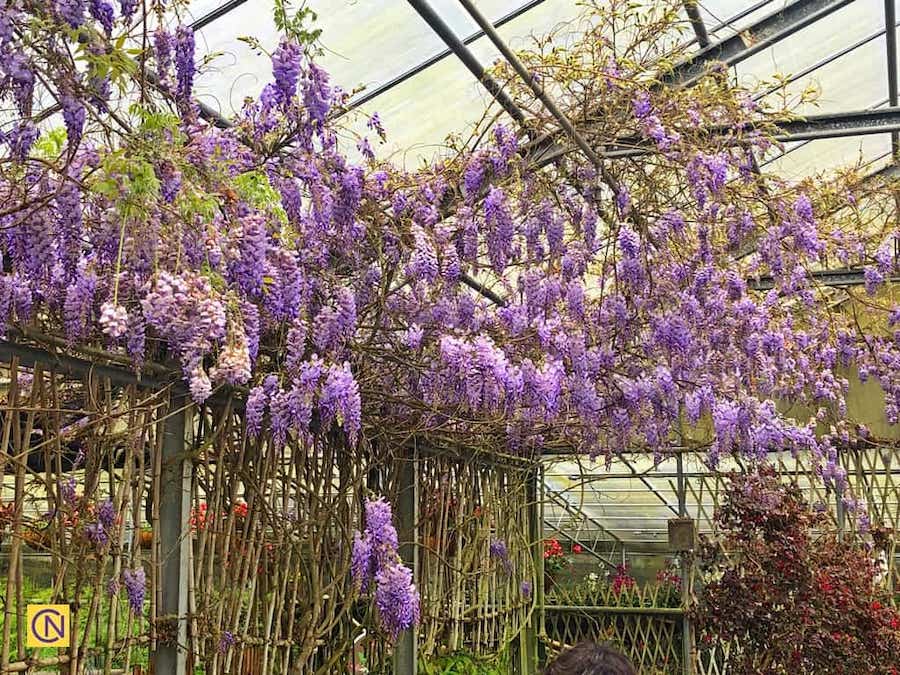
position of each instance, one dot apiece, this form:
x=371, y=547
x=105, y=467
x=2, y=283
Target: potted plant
x=555, y=561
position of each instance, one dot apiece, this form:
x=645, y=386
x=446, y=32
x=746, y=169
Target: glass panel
x=419, y=113
x=816, y=42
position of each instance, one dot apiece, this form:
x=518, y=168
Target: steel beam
x=29, y=356
x=528, y=635
x=890, y=33
x=406, y=649
x=761, y=35
x=839, y=278
x=458, y=47
x=427, y=63
x=810, y=128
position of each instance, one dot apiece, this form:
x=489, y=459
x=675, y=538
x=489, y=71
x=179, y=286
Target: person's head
x=589, y=658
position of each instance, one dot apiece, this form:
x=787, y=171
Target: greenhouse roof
x=397, y=64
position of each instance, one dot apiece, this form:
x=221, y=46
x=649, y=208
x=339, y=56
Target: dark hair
x=589, y=658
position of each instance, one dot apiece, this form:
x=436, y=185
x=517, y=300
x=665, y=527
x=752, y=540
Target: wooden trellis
x=473, y=599
x=245, y=543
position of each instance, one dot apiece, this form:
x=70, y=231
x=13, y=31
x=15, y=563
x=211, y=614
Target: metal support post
x=890, y=38
x=528, y=637
x=174, y=538
x=405, y=651
x=687, y=634
x=840, y=509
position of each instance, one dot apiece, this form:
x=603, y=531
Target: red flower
x=895, y=622
x=876, y=605
x=576, y=548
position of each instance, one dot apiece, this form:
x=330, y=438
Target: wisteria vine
x=339, y=292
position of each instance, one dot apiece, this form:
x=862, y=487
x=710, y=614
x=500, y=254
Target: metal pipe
x=529, y=79
x=445, y=32
x=890, y=33
x=693, y=12
x=427, y=63
x=215, y=14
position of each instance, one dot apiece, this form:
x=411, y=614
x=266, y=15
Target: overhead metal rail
x=761, y=35
x=458, y=47
x=810, y=128
x=831, y=278
x=440, y=56
x=216, y=14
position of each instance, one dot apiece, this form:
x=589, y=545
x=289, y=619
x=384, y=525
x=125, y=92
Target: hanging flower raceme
x=135, y=587
x=184, y=69
x=286, y=69
x=376, y=563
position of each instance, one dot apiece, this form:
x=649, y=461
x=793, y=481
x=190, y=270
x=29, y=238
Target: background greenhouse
x=440, y=336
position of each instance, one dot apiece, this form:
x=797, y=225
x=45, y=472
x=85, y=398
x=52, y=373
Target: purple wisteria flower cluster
x=135, y=582
x=474, y=298
x=376, y=567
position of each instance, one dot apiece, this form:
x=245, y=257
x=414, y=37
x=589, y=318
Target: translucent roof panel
x=369, y=44
x=851, y=82
x=446, y=98
x=810, y=157
x=365, y=44
x=846, y=83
